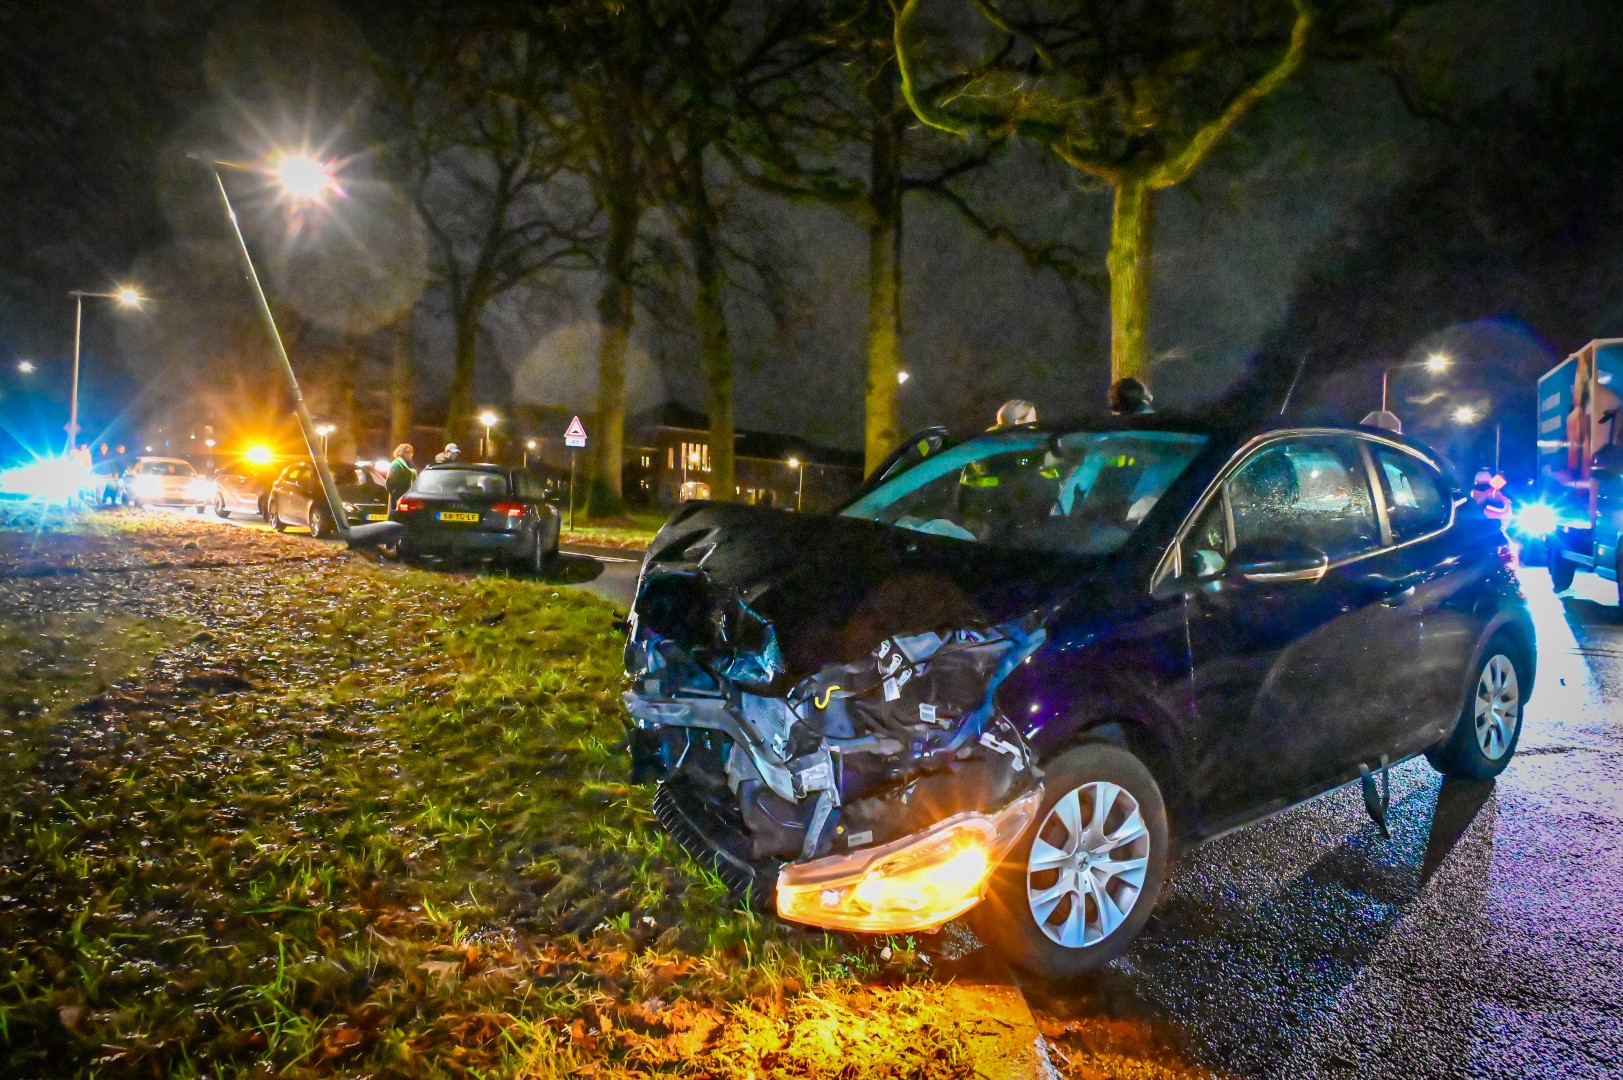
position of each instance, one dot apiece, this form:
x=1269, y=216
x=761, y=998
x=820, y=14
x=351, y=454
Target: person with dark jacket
x=401, y=474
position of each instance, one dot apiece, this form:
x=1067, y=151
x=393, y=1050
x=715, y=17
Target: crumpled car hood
x=834, y=588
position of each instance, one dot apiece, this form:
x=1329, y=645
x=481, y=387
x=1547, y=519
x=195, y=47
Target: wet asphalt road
x=609, y=572
x=1485, y=939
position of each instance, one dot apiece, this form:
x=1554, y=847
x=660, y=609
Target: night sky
x=1273, y=246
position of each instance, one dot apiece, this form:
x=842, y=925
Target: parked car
x=1016, y=677
x=463, y=509
x=244, y=487
x=296, y=497
x=166, y=481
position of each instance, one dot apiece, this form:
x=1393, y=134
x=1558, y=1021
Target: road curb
x=1005, y=1044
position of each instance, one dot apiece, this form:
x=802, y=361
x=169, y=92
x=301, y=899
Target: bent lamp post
x=362, y=535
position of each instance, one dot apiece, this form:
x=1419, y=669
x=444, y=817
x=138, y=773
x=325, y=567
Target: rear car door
x=1433, y=575
x=1286, y=673
x=291, y=502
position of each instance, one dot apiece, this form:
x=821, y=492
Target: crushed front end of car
x=875, y=793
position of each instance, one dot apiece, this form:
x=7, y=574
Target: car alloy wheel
x=1086, y=869
x=1498, y=706
x=320, y=526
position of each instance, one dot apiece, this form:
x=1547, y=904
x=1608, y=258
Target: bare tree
x=1136, y=94
x=487, y=173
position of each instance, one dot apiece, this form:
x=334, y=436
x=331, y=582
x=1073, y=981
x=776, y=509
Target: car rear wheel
x=1081, y=885
x=320, y=522
x=273, y=515
x=264, y=509
x=219, y=507
x=1490, y=724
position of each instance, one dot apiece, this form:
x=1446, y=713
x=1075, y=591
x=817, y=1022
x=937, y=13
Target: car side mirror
x=1276, y=559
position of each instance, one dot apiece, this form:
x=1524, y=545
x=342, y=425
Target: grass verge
x=346, y=819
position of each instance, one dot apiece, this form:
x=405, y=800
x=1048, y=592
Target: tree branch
x=1177, y=169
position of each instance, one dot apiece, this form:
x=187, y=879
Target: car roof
x=1219, y=430
x=165, y=460
x=465, y=466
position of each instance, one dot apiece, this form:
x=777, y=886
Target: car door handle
x=1399, y=597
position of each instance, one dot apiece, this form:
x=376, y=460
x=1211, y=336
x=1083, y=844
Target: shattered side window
x=1083, y=492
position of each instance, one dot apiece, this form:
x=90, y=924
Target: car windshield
x=461, y=482
x=1083, y=493
x=167, y=468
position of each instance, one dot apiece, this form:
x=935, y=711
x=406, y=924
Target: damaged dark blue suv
x=1012, y=678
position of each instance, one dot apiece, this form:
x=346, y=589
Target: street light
x=800, y=480
x=324, y=430
x=529, y=448
x=303, y=178
x=125, y=296
x=489, y=420
x=1434, y=363
x=902, y=377
x=1466, y=414
x=26, y=367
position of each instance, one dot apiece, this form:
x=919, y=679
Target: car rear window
x=1417, y=500
x=461, y=482
x=1083, y=492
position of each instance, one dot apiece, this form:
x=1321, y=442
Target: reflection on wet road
x=1484, y=939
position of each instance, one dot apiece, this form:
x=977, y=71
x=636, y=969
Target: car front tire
x=1081, y=885
x=320, y=522
x=219, y=507
x=1490, y=725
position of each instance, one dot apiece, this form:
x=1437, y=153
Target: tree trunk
x=881, y=422
x=400, y=386
x=715, y=350
x=1131, y=244
x=459, y=416
x=615, y=312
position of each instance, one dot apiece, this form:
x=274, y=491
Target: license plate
x=457, y=515
x=377, y=517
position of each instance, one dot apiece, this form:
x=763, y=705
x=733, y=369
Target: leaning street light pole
x=302, y=180
x=487, y=419
x=124, y=296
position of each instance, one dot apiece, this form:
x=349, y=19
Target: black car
x=296, y=497
x=244, y=487
x=463, y=509
x=1015, y=677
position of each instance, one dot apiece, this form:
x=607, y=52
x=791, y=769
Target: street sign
x=575, y=434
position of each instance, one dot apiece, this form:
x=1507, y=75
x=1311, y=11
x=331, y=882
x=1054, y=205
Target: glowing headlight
x=349, y=508
x=148, y=486
x=1535, y=519
x=910, y=884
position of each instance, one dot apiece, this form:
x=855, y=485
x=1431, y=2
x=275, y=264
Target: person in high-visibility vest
x=1486, y=492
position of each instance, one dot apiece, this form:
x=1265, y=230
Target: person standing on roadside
x=452, y=452
x=401, y=474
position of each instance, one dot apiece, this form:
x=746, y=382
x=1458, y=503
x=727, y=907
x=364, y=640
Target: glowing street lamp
x=800, y=479
x=325, y=431
x=1435, y=363
x=1466, y=414
x=902, y=377
x=125, y=296
x=26, y=367
x=487, y=419
x=304, y=179
x=529, y=448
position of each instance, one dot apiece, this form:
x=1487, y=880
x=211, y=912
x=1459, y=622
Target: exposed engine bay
x=892, y=768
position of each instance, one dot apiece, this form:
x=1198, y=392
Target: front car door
x=1287, y=673
x=291, y=501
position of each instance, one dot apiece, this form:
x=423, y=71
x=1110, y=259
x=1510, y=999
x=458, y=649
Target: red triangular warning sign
x=577, y=430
